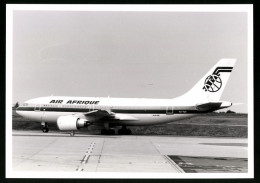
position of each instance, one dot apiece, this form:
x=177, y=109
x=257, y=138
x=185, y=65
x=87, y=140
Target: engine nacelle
x=70, y=123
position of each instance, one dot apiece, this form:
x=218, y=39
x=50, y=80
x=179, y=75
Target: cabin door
x=43, y=115
x=37, y=108
x=169, y=110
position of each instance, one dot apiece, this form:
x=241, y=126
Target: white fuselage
x=132, y=111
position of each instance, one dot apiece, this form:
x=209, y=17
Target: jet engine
x=71, y=123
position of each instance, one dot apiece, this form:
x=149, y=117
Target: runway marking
x=173, y=164
x=124, y=154
x=86, y=157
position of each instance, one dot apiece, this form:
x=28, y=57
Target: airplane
x=75, y=113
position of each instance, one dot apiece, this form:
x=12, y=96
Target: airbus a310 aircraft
x=74, y=113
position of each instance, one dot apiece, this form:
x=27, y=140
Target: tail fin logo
x=213, y=82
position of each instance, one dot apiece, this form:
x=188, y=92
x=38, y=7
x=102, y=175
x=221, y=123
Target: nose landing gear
x=72, y=133
x=45, y=128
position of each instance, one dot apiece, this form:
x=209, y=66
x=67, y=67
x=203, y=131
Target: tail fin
x=211, y=86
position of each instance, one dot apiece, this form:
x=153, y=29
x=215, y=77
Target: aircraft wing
x=104, y=115
x=212, y=106
x=93, y=115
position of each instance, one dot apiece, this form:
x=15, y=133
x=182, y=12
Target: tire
x=111, y=132
x=124, y=132
x=45, y=130
x=120, y=132
x=103, y=132
x=108, y=132
x=128, y=132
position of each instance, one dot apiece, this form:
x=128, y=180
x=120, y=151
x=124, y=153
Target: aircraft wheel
x=45, y=130
x=103, y=132
x=111, y=132
x=120, y=132
x=128, y=132
x=107, y=132
x=124, y=132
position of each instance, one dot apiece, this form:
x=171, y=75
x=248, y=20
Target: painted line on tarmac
x=174, y=165
x=86, y=157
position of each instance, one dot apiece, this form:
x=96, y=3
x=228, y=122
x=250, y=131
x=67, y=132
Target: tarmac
x=59, y=152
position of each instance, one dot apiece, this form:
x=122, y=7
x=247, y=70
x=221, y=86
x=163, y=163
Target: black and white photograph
x=129, y=91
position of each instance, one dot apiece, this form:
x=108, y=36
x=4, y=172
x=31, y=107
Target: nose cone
x=18, y=110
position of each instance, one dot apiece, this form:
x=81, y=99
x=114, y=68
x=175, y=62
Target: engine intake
x=70, y=123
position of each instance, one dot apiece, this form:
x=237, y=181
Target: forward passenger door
x=169, y=110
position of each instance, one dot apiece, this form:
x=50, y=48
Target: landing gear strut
x=124, y=131
x=45, y=128
x=107, y=132
x=72, y=133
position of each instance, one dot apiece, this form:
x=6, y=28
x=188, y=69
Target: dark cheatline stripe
x=132, y=111
x=53, y=109
x=25, y=109
x=162, y=111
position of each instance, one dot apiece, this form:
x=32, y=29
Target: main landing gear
x=45, y=128
x=107, y=132
x=124, y=131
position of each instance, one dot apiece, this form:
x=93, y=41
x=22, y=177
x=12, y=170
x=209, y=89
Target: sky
x=125, y=54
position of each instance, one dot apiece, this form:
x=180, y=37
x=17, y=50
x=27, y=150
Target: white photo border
x=10, y=8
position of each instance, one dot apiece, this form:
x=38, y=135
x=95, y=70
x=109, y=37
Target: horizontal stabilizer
x=212, y=106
